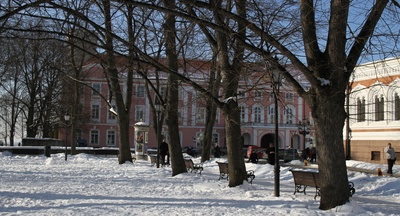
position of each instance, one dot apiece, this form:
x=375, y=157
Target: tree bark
x=211, y=111
x=112, y=74
x=329, y=115
x=230, y=82
x=175, y=150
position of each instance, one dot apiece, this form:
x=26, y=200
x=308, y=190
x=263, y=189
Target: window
x=360, y=109
x=243, y=113
x=396, y=107
x=379, y=108
x=201, y=115
x=96, y=88
x=180, y=93
x=111, y=138
x=199, y=139
x=241, y=94
x=258, y=95
x=271, y=114
x=257, y=114
x=111, y=116
x=289, y=96
x=180, y=115
x=140, y=91
x=217, y=114
x=375, y=155
x=139, y=113
x=94, y=137
x=95, y=113
x=289, y=115
x=272, y=95
x=215, y=139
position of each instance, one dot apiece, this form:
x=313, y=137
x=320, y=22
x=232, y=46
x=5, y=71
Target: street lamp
x=158, y=106
x=276, y=79
x=66, y=118
x=304, y=129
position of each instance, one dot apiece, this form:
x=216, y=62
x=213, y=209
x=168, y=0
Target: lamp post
x=158, y=108
x=66, y=118
x=304, y=129
x=276, y=79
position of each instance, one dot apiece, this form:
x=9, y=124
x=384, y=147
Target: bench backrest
x=223, y=167
x=305, y=178
x=189, y=163
x=153, y=158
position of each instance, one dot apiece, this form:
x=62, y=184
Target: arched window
x=379, y=108
x=271, y=114
x=243, y=113
x=289, y=115
x=257, y=114
x=361, y=109
x=396, y=107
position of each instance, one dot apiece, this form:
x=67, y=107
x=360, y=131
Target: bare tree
x=325, y=52
x=178, y=164
x=34, y=71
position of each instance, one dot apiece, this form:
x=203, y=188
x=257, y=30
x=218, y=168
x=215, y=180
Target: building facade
x=374, y=110
x=255, y=98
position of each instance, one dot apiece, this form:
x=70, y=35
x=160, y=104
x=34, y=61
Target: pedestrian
x=391, y=158
x=217, y=151
x=314, y=154
x=306, y=154
x=164, y=152
x=271, y=154
x=253, y=157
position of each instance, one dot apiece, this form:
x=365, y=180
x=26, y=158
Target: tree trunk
x=214, y=86
x=230, y=81
x=208, y=132
x=237, y=168
x=112, y=75
x=175, y=150
x=329, y=115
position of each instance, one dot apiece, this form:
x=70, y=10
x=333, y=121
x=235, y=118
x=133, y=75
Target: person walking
x=217, y=151
x=391, y=157
x=164, y=151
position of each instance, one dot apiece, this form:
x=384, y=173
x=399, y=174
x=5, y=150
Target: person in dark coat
x=314, y=155
x=217, y=151
x=164, y=151
x=306, y=154
x=271, y=154
x=253, y=157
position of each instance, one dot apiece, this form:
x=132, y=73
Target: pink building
x=256, y=102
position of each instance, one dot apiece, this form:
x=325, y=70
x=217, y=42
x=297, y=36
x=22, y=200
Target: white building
x=374, y=110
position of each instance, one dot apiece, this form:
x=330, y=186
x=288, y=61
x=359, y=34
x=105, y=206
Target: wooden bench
x=304, y=179
x=224, y=172
x=153, y=160
x=192, y=167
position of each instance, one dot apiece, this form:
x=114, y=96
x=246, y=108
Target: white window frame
x=95, y=112
x=140, y=113
x=140, y=91
x=257, y=114
x=111, y=138
x=201, y=115
x=96, y=88
x=94, y=133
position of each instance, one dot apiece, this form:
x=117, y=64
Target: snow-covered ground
x=90, y=185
